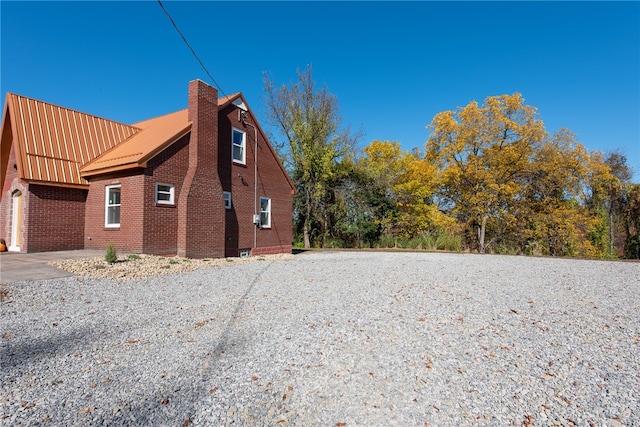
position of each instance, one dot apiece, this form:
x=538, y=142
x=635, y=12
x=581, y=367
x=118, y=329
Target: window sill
x=165, y=205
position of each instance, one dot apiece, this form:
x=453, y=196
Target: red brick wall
x=10, y=183
x=272, y=250
x=236, y=179
x=161, y=221
x=239, y=180
x=200, y=168
x=273, y=184
x=52, y=216
x=55, y=218
x=129, y=236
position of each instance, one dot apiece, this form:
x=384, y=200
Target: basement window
x=112, y=206
x=164, y=194
x=238, y=146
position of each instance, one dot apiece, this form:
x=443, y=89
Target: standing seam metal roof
x=59, y=146
x=52, y=143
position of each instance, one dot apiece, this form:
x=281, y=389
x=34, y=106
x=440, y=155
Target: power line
x=190, y=48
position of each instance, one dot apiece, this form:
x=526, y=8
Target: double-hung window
x=238, y=146
x=265, y=212
x=164, y=194
x=112, y=206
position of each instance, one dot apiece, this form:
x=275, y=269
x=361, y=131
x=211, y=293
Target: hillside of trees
x=490, y=178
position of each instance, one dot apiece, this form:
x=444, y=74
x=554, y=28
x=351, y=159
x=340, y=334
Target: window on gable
x=164, y=194
x=238, y=146
x=265, y=212
x=112, y=206
x=227, y=199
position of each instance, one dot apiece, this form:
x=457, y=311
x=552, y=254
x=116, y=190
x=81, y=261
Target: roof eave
x=57, y=184
x=140, y=162
x=112, y=169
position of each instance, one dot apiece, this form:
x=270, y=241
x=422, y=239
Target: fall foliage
x=490, y=179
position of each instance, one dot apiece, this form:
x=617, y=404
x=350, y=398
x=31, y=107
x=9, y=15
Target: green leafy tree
x=314, y=144
x=359, y=207
x=617, y=163
x=631, y=219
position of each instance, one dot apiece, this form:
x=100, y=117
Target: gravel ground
x=136, y=266
x=330, y=339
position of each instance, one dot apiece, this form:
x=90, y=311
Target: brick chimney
x=201, y=214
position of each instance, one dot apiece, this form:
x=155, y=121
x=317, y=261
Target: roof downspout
x=255, y=177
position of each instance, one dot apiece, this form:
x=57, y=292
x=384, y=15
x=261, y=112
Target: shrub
x=333, y=243
x=449, y=242
x=111, y=256
x=387, y=241
x=134, y=256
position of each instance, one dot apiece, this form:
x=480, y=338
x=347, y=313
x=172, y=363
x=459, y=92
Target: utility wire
x=190, y=48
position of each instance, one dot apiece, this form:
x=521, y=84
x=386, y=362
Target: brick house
x=199, y=182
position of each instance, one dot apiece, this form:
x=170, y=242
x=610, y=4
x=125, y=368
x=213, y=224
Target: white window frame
x=242, y=145
x=171, y=192
x=227, y=199
x=267, y=211
x=108, y=206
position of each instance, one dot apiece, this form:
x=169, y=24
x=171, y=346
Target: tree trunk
x=481, y=230
x=611, y=237
x=305, y=232
x=307, y=218
x=305, y=226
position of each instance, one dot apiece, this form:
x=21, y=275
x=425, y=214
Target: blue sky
x=392, y=65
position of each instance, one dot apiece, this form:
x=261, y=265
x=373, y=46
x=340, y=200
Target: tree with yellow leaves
x=483, y=154
x=410, y=181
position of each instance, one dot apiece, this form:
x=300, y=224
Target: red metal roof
x=156, y=135
x=60, y=146
x=52, y=143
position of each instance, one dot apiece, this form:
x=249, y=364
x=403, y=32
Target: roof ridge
x=70, y=109
x=158, y=116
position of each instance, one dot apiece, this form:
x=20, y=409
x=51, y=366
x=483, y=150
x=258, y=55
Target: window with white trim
x=112, y=206
x=164, y=194
x=227, y=199
x=238, y=145
x=265, y=212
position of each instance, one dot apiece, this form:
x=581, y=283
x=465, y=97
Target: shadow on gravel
x=224, y=342
x=19, y=352
x=152, y=409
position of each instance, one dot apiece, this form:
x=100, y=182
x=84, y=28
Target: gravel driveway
x=330, y=339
